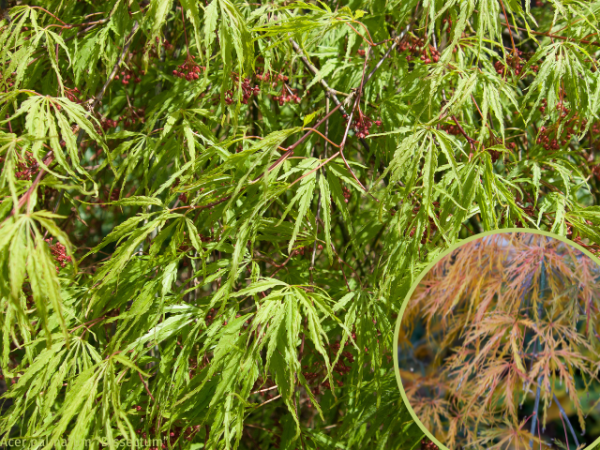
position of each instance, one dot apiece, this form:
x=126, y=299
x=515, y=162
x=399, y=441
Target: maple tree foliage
x=210, y=211
x=507, y=327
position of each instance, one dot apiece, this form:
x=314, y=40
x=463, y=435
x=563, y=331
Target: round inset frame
x=416, y=284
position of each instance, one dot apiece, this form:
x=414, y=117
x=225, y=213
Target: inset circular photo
x=498, y=344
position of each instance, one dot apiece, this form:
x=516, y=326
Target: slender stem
x=509, y=28
x=146, y=386
x=566, y=418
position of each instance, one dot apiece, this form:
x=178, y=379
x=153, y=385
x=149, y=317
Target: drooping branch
x=331, y=92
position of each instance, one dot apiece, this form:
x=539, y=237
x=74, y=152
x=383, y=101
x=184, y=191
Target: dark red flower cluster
x=345, y=354
x=361, y=52
x=59, y=252
x=189, y=70
x=417, y=49
x=279, y=77
x=133, y=116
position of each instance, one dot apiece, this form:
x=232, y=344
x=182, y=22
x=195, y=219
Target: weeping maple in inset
x=505, y=321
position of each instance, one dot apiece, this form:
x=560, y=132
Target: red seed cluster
x=280, y=77
x=73, y=95
x=513, y=62
x=426, y=444
x=451, y=129
x=125, y=76
x=544, y=106
x=432, y=225
x=361, y=52
x=25, y=166
x=247, y=91
x=263, y=76
x=301, y=251
x=499, y=66
x=346, y=193
x=9, y=81
x=168, y=46
x=594, y=248
x=550, y=139
x=449, y=22
x=318, y=371
x=59, y=252
x=131, y=117
x=494, y=155
x=362, y=124
x=189, y=70
x=108, y=124
x=417, y=49
x=287, y=94
x=210, y=317
x=287, y=97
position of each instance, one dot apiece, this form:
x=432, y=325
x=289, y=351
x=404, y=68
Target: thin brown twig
x=265, y=390
x=76, y=25
x=270, y=400
x=47, y=12
x=557, y=36
x=290, y=149
x=116, y=66
x=146, y=386
x=509, y=28
x=471, y=141
x=208, y=205
x=315, y=169
x=323, y=136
